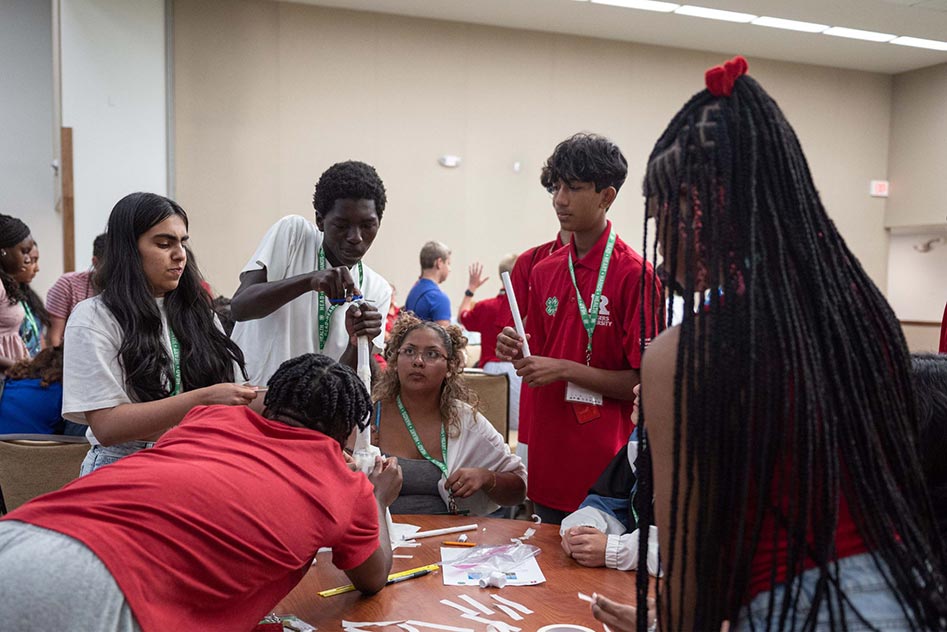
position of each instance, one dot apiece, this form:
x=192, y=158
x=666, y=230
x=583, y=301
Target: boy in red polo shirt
x=584, y=316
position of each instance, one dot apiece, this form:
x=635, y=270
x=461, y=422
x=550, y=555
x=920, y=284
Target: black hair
x=319, y=393
x=930, y=388
x=207, y=354
x=792, y=384
x=350, y=180
x=12, y=232
x=221, y=306
x=98, y=246
x=586, y=158
x=35, y=303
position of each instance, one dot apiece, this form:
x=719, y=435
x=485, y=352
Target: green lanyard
x=30, y=319
x=176, y=357
x=325, y=313
x=590, y=316
x=442, y=466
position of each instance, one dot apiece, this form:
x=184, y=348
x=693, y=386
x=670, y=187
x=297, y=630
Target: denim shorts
x=863, y=585
x=100, y=455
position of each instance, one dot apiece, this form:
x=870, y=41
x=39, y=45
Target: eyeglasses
x=427, y=355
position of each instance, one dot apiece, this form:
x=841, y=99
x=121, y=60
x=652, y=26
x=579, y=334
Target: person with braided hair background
x=16, y=242
x=454, y=459
x=781, y=429
x=212, y=527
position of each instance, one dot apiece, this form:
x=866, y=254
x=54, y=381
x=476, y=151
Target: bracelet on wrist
x=494, y=482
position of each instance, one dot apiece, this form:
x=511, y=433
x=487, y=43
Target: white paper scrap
x=437, y=626
x=497, y=624
x=408, y=628
x=457, y=606
x=513, y=614
x=402, y=557
x=476, y=604
x=585, y=597
x=400, y=533
x=513, y=604
x=365, y=624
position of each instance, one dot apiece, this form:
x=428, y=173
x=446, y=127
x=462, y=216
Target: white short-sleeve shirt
x=290, y=248
x=93, y=377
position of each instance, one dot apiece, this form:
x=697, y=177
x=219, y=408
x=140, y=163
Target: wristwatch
x=467, y=292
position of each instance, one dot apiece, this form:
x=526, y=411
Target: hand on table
x=467, y=481
x=620, y=617
x=586, y=545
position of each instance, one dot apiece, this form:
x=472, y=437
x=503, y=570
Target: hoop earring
x=3, y=253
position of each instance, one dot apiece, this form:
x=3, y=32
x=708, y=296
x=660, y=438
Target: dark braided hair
x=12, y=232
x=792, y=383
x=319, y=393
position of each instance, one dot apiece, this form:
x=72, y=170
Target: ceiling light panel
x=715, y=14
x=644, y=5
x=790, y=25
x=868, y=36
x=917, y=42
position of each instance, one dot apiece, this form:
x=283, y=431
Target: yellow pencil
x=394, y=576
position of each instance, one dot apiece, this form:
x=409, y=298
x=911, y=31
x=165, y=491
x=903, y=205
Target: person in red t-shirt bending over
x=584, y=316
x=210, y=528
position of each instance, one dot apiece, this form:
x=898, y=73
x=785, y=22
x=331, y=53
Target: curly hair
x=453, y=390
x=47, y=366
x=319, y=393
x=350, y=180
x=586, y=158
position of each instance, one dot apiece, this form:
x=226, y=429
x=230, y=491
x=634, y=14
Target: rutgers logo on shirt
x=604, y=318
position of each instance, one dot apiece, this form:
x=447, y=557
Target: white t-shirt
x=92, y=371
x=290, y=248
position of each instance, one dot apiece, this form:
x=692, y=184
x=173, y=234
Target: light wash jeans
x=100, y=455
x=861, y=582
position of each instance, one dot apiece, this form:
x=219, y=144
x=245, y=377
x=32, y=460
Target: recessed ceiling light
x=645, y=5
x=715, y=14
x=791, y=25
x=917, y=42
x=870, y=36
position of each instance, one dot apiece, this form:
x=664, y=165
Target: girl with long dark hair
x=780, y=423
x=16, y=242
x=148, y=348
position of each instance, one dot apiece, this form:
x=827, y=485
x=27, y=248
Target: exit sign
x=879, y=188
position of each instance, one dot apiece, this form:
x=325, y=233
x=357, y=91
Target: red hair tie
x=720, y=79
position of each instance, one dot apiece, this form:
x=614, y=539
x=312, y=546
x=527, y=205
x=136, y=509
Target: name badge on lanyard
x=586, y=402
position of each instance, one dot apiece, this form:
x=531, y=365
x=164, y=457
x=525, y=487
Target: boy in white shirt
x=291, y=288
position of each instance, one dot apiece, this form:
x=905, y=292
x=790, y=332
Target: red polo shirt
x=519, y=279
x=488, y=317
x=566, y=456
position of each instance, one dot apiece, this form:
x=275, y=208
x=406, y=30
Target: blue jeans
x=861, y=582
x=100, y=455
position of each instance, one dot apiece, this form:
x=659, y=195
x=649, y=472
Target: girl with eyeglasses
x=452, y=457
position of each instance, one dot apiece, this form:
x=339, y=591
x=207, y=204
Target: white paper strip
x=476, y=604
x=408, y=628
x=363, y=624
x=513, y=614
x=428, y=534
x=457, y=606
x=497, y=624
x=585, y=597
x=437, y=626
x=402, y=557
x=513, y=604
x=515, y=309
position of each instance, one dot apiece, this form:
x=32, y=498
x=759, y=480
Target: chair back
x=494, y=394
x=31, y=465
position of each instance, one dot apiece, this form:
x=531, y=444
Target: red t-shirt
x=519, y=279
x=213, y=526
x=488, y=317
x=566, y=456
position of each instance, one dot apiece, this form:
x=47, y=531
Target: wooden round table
x=554, y=601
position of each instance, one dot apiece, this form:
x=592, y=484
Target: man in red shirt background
x=589, y=291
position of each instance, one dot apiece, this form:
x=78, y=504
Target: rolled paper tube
x=514, y=307
x=434, y=532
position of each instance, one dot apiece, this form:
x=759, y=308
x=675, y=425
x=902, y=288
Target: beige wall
x=267, y=95
x=922, y=337
x=918, y=149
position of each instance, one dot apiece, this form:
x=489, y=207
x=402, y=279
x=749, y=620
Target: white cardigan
x=478, y=445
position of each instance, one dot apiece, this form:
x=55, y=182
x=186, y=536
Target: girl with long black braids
x=148, y=348
x=781, y=427
x=16, y=242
